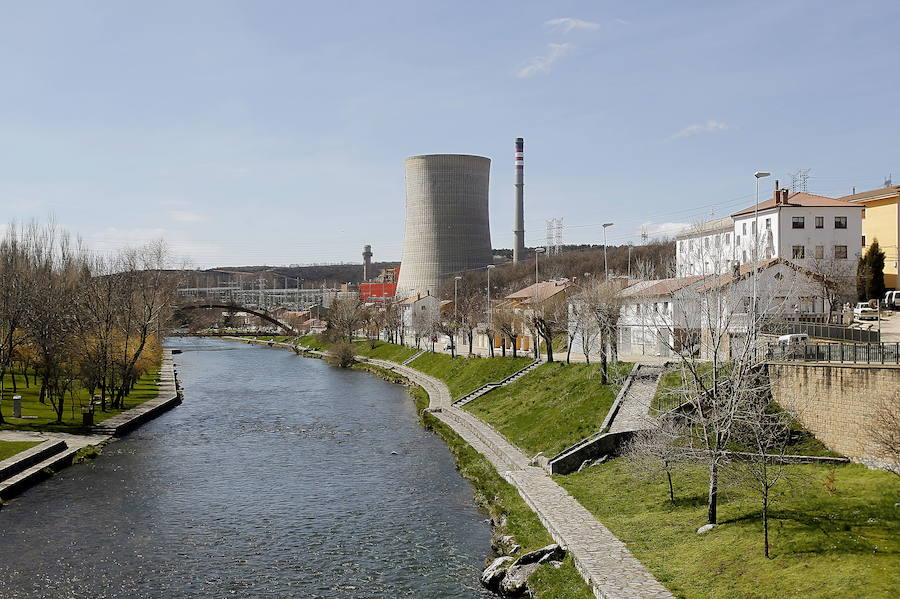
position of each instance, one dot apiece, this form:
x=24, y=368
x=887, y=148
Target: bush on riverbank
x=341, y=354
x=836, y=535
x=552, y=407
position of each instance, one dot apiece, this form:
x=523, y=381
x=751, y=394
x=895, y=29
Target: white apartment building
x=814, y=231
x=705, y=249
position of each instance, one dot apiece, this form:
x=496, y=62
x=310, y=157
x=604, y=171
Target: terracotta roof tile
x=801, y=199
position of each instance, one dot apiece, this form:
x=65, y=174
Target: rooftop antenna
x=888, y=182
x=798, y=181
x=644, y=235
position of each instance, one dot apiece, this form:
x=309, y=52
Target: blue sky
x=275, y=132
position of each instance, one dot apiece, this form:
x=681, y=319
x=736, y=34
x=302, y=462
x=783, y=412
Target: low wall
x=837, y=402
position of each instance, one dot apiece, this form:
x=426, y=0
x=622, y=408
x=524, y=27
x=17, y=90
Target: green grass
x=384, y=351
x=315, y=342
x=145, y=389
x=463, y=375
x=11, y=448
x=845, y=543
x=504, y=505
x=552, y=407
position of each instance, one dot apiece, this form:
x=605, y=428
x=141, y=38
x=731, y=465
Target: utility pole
x=536, y=252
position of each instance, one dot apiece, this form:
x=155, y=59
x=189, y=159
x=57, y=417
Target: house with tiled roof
x=881, y=221
x=810, y=230
x=665, y=316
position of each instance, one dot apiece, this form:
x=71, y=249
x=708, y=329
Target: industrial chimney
x=519, y=224
x=367, y=262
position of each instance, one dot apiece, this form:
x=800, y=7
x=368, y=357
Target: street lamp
x=455, y=309
x=536, y=252
x=605, y=263
x=759, y=175
x=490, y=267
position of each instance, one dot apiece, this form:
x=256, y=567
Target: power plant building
x=447, y=221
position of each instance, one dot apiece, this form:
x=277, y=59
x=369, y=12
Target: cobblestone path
x=604, y=561
x=634, y=414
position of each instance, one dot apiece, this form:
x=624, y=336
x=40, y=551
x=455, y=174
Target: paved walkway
x=633, y=414
x=604, y=561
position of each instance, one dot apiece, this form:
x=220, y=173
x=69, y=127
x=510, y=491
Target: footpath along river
x=275, y=478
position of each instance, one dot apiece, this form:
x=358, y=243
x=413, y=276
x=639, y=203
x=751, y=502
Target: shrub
x=341, y=354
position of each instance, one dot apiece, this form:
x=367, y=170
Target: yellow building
x=881, y=221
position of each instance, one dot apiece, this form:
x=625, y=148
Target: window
x=745, y=229
x=820, y=252
x=745, y=257
x=727, y=238
x=840, y=252
x=863, y=241
x=798, y=251
x=718, y=241
x=798, y=222
x=737, y=240
x=768, y=224
x=840, y=222
x=706, y=242
x=754, y=227
x=820, y=222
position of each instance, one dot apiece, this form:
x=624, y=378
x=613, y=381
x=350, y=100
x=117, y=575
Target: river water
x=275, y=478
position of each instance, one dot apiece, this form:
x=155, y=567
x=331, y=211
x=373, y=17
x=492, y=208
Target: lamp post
x=605, y=263
x=490, y=267
x=536, y=252
x=455, y=310
x=759, y=175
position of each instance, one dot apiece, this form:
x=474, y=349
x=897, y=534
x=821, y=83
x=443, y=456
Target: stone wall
x=837, y=402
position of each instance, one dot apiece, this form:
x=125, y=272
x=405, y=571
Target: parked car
x=891, y=300
x=862, y=311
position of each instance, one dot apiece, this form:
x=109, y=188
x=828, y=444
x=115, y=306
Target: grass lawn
x=11, y=448
x=145, y=389
x=844, y=543
x=552, y=407
x=384, y=351
x=463, y=375
x=504, y=504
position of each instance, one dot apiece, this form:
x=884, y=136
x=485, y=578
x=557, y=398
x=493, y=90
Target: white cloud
x=186, y=216
x=567, y=24
x=666, y=229
x=542, y=64
x=707, y=127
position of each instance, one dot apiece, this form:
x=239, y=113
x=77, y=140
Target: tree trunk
x=569, y=351
x=712, y=499
x=669, y=477
x=548, y=340
x=765, y=515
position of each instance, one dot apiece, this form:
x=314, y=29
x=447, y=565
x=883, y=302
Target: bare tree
x=14, y=284
x=549, y=319
x=655, y=451
x=346, y=316
x=603, y=302
x=886, y=435
x=765, y=433
x=509, y=323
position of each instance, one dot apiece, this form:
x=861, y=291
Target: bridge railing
x=858, y=353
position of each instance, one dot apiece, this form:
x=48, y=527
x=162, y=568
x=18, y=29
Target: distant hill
x=653, y=260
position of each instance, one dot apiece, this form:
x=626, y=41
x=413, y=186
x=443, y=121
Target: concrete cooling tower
x=447, y=223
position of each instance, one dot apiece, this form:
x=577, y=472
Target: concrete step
x=28, y=458
x=21, y=481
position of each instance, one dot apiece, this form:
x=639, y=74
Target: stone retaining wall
x=837, y=402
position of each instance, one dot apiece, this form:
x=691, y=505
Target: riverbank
x=56, y=449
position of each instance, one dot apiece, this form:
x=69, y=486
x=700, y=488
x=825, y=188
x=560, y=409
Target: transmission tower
x=554, y=236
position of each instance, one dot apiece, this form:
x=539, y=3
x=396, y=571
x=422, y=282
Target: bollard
x=17, y=406
x=87, y=416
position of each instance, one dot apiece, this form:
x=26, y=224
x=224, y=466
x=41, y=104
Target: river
x=276, y=477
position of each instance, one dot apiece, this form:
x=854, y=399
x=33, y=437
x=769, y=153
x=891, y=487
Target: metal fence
x=864, y=353
x=822, y=331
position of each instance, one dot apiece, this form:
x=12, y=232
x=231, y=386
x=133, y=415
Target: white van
x=891, y=300
x=794, y=339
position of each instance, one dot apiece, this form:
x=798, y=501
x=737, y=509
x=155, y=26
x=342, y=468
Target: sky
x=275, y=132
